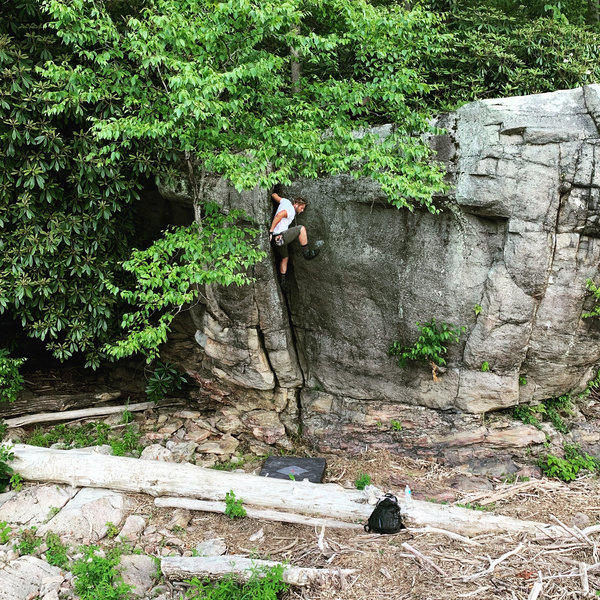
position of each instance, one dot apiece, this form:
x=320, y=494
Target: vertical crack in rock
x=589, y=100
x=261, y=340
x=563, y=198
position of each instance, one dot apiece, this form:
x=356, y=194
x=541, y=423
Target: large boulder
x=507, y=258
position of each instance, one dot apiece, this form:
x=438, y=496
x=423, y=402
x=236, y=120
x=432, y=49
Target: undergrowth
x=97, y=577
x=263, y=584
x=552, y=410
x=6, y=471
x=233, y=506
x=568, y=468
x=123, y=441
x=57, y=551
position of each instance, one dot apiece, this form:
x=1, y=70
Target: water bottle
x=407, y=495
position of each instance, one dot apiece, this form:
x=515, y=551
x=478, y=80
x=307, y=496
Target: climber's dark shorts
x=289, y=235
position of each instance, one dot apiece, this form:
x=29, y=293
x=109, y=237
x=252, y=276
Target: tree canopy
x=100, y=99
x=213, y=79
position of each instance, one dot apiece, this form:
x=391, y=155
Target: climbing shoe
x=310, y=254
x=283, y=281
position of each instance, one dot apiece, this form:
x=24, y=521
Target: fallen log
x=215, y=567
x=71, y=415
x=329, y=500
x=254, y=513
x=28, y=403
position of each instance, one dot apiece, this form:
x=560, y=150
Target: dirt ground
x=452, y=569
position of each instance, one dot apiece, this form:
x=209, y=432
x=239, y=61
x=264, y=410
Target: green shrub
x=548, y=410
x=28, y=542
x=5, y=532
x=264, y=584
x=111, y=529
x=431, y=345
x=396, y=425
x=6, y=471
x=57, y=552
x=164, y=380
x=11, y=381
x=97, y=577
x=127, y=442
x=362, y=481
x=485, y=366
x=233, y=506
x=126, y=417
x=16, y=482
x=595, y=312
x=568, y=468
x=89, y=434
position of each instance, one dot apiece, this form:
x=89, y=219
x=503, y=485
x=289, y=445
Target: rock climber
x=281, y=234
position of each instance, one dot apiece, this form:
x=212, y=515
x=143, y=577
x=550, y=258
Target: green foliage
x=551, y=410
x=229, y=105
x=57, y=552
x=164, y=380
x=498, y=49
x=477, y=309
x=6, y=471
x=75, y=436
x=111, y=529
x=122, y=442
x=396, y=425
x=5, y=532
x=54, y=510
x=513, y=478
x=170, y=271
x=362, y=481
x=263, y=584
x=522, y=380
x=65, y=197
x=11, y=381
x=126, y=417
x=567, y=468
x=528, y=414
x=127, y=443
x=595, y=290
x=16, y=482
x=28, y=542
x=485, y=366
x=97, y=577
x=591, y=386
x=475, y=506
x=431, y=345
x=233, y=506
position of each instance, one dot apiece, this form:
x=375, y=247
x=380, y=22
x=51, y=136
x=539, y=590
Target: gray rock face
x=25, y=578
x=517, y=238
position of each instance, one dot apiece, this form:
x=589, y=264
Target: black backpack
x=385, y=518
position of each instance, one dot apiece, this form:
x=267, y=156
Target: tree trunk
x=27, y=404
x=72, y=415
x=215, y=567
x=329, y=500
x=254, y=513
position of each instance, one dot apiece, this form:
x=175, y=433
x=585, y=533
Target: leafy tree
x=213, y=80
x=68, y=200
x=65, y=197
x=498, y=48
